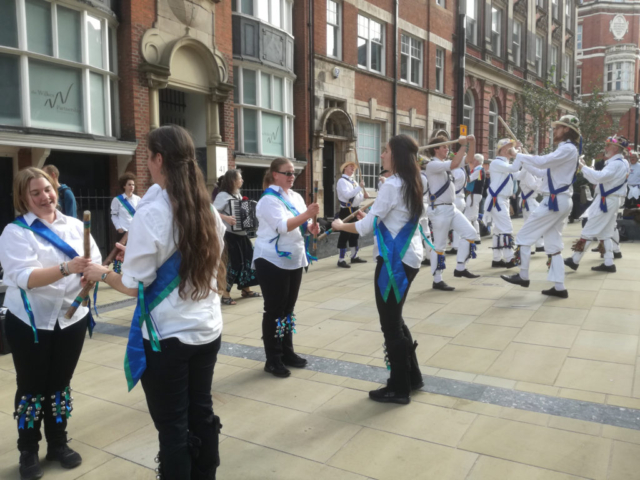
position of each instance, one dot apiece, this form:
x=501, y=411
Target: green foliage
x=595, y=124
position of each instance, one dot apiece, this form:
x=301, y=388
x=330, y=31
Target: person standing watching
x=66, y=198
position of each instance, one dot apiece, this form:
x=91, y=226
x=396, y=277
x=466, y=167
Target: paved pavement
x=519, y=386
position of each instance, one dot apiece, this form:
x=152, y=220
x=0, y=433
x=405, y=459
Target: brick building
x=508, y=43
x=608, y=36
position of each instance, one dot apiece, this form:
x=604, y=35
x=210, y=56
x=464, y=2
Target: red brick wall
x=223, y=38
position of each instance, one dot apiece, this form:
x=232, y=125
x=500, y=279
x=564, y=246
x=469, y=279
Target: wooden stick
x=84, y=293
x=506, y=127
x=346, y=220
x=441, y=144
x=315, y=219
x=87, y=240
x=107, y=261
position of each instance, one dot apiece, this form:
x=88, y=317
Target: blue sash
x=553, y=192
x=125, y=203
x=40, y=229
x=303, y=227
x=525, y=204
x=435, y=196
x=604, y=195
x=393, y=250
x=167, y=280
x=494, y=201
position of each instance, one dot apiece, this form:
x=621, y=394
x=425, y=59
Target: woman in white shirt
x=279, y=255
x=123, y=208
x=173, y=265
x=394, y=219
x=238, y=246
x=42, y=256
x=350, y=195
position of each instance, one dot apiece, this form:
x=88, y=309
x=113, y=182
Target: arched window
x=493, y=127
x=468, y=112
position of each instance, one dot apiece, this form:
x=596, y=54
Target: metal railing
x=99, y=204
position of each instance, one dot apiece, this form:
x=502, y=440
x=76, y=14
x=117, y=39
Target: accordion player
x=244, y=211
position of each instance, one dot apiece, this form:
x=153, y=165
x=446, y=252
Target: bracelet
x=63, y=270
x=104, y=276
x=66, y=267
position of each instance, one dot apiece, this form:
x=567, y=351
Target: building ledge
x=263, y=161
x=86, y=143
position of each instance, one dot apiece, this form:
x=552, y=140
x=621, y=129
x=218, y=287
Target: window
x=263, y=113
x=468, y=112
x=411, y=60
x=568, y=7
x=439, y=70
x=370, y=44
x=515, y=120
x=517, y=42
x=553, y=64
x=554, y=9
x=496, y=31
x=493, y=128
x=333, y=29
x=275, y=12
x=579, y=37
x=472, y=21
x=438, y=126
x=539, y=55
x=369, y=151
x=411, y=132
x=441, y=3
x=578, y=85
x=619, y=76
x=540, y=3
x=566, y=74
x=47, y=82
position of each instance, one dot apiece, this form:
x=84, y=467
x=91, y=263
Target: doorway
x=329, y=178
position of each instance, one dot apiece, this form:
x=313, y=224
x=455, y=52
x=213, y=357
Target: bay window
x=619, y=76
x=277, y=13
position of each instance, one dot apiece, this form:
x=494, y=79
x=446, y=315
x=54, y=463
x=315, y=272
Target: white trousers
x=444, y=218
x=461, y=205
x=472, y=208
x=549, y=224
x=533, y=204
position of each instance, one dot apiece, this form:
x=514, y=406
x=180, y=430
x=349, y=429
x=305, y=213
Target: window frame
x=553, y=62
x=568, y=10
x=286, y=13
x=555, y=9
x=337, y=27
x=516, y=46
x=441, y=3
x=493, y=128
x=473, y=36
x=496, y=35
x=579, y=37
x=538, y=55
x=578, y=82
x=369, y=41
x=409, y=57
x=369, y=170
x=626, y=67
x=566, y=71
x=110, y=78
x=440, y=70
x=468, y=112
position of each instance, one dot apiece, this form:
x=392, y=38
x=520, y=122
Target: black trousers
x=280, y=289
x=177, y=384
x=346, y=237
x=44, y=368
x=401, y=349
x=631, y=202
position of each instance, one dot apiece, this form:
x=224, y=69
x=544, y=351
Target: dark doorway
x=329, y=178
x=6, y=192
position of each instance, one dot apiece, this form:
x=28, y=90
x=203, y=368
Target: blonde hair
x=274, y=167
x=21, y=187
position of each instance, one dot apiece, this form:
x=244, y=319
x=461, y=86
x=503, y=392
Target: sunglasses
x=288, y=174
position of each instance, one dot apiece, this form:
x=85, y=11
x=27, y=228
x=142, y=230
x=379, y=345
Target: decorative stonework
x=520, y=7
x=618, y=26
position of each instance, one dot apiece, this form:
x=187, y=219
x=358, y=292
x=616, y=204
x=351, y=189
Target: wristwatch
x=104, y=276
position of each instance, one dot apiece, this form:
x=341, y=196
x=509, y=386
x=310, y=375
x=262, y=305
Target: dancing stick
x=315, y=218
x=346, y=220
x=506, y=127
x=441, y=144
x=87, y=242
x=84, y=293
x=114, y=252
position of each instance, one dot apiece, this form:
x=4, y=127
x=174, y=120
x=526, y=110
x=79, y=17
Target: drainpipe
x=312, y=96
x=427, y=82
x=461, y=47
x=395, y=67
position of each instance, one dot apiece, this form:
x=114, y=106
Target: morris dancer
x=529, y=187
x=475, y=187
x=350, y=195
x=279, y=255
x=633, y=196
x=394, y=219
x=459, y=182
x=603, y=212
x=549, y=218
x=443, y=213
x=426, y=249
x=174, y=265
x=497, y=203
x=123, y=208
x=39, y=253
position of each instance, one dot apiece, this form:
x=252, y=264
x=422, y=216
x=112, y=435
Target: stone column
x=156, y=82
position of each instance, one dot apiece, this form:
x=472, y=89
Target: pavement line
x=504, y=397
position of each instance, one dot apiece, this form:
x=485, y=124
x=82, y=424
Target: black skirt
x=239, y=258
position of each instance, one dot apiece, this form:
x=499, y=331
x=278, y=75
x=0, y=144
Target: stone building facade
x=608, y=36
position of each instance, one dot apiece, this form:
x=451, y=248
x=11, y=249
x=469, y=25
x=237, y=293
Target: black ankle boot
x=67, y=457
x=30, y=468
x=277, y=368
x=386, y=395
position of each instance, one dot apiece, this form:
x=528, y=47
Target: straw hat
x=621, y=142
x=504, y=142
x=570, y=121
x=346, y=164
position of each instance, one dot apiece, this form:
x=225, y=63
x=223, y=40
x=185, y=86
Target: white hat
x=504, y=142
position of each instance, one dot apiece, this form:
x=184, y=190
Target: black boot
x=386, y=395
x=516, y=280
x=617, y=254
x=604, y=268
x=415, y=375
x=63, y=454
x=276, y=368
x=293, y=360
x=498, y=264
x=30, y=468
x=571, y=264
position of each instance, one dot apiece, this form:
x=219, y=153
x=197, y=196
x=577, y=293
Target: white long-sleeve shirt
x=437, y=175
x=459, y=180
x=22, y=251
x=152, y=240
x=499, y=170
x=392, y=211
x=347, y=189
x=614, y=173
x=562, y=163
x=528, y=181
x=120, y=217
x=634, y=174
x=272, y=219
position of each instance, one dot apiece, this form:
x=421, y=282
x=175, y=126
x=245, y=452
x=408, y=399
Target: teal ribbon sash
x=125, y=203
x=167, y=280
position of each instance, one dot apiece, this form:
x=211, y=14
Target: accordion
x=244, y=211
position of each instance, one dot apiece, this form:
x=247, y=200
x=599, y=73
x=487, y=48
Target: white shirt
x=152, y=240
x=22, y=251
x=634, y=174
x=221, y=204
x=391, y=210
x=475, y=174
x=459, y=180
x=562, y=162
x=120, y=217
x=437, y=175
x=347, y=189
x=614, y=173
x=272, y=221
x=528, y=181
x=499, y=170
